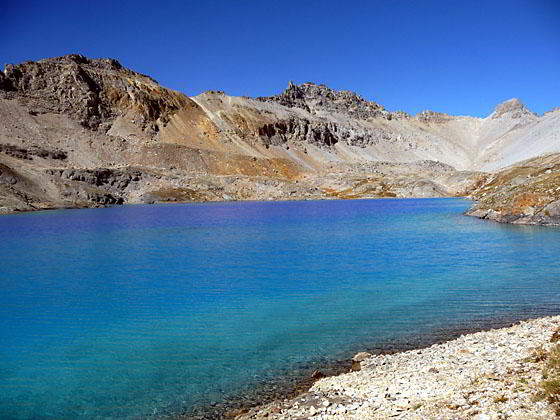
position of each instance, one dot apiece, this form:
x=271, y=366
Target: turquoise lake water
x=134, y=311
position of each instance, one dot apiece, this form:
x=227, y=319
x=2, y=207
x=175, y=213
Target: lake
x=139, y=311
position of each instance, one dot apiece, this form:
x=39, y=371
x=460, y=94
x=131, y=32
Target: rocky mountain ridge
x=91, y=91
x=83, y=132
x=320, y=99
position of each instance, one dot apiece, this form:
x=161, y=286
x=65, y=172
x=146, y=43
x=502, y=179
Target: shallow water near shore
x=136, y=311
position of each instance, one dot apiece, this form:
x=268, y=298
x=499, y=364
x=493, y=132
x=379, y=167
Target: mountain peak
x=513, y=108
x=92, y=90
x=319, y=98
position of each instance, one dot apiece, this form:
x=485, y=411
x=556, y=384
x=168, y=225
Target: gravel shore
x=486, y=375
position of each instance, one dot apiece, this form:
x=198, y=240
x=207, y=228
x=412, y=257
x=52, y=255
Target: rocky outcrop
x=92, y=91
x=293, y=97
x=33, y=151
x=320, y=99
x=299, y=130
x=7, y=176
x=432, y=116
x=4, y=82
x=512, y=108
x=527, y=193
x=325, y=133
x=118, y=179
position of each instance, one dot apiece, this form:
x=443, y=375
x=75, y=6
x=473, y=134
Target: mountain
x=79, y=132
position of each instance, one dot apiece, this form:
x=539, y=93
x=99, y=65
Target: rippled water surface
x=139, y=310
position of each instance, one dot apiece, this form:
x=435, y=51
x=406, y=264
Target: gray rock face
x=28, y=153
x=93, y=91
x=7, y=176
x=318, y=99
x=300, y=130
x=323, y=132
x=118, y=179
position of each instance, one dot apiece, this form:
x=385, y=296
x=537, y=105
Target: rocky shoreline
x=525, y=194
x=493, y=374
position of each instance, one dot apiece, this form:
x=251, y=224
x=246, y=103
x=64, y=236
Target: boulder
x=358, y=359
x=552, y=209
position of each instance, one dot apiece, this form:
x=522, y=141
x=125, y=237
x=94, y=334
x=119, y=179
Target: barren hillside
x=84, y=132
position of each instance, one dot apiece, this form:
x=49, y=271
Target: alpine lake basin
x=157, y=310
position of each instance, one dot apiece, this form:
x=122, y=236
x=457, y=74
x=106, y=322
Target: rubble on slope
x=527, y=193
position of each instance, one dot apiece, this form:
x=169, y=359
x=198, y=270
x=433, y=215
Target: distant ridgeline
x=79, y=132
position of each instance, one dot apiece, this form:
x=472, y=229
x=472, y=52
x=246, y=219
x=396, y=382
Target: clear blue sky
x=460, y=57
